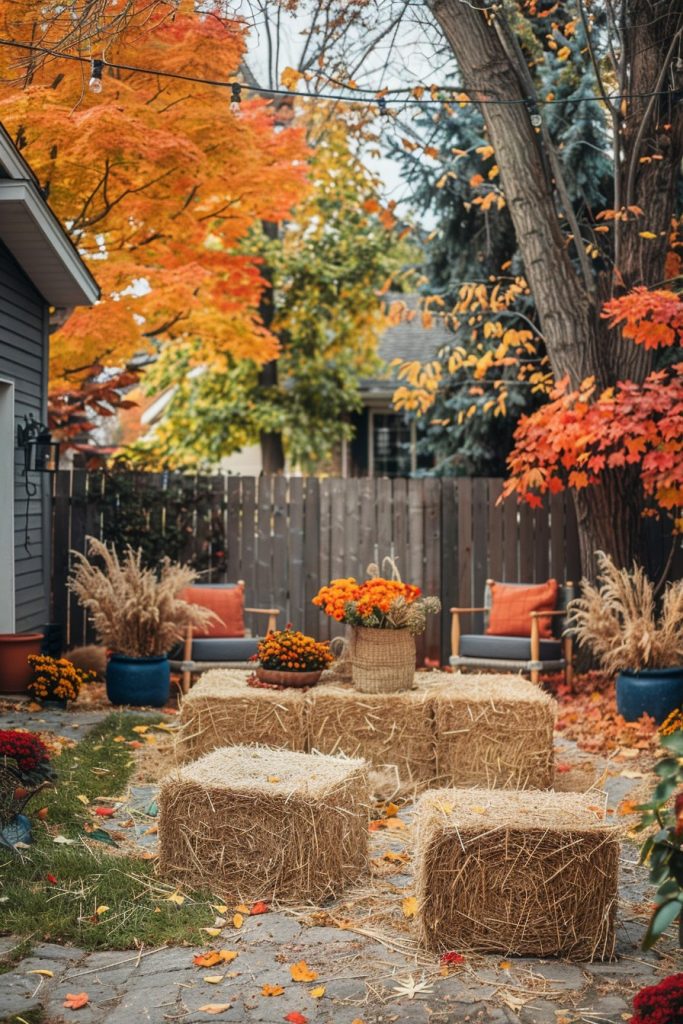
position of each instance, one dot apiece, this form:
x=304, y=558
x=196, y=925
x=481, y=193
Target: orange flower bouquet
x=290, y=658
x=384, y=615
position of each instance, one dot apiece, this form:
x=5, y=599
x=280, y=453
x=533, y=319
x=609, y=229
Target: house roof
x=408, y=341
x=35, y=236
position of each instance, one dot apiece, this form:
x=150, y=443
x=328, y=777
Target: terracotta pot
x=273, y=675
x=15, y=671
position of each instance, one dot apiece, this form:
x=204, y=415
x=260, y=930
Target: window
x=392, y=445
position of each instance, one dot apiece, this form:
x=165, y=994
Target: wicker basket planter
x=382, y=660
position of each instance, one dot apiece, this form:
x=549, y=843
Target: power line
x=359, y=95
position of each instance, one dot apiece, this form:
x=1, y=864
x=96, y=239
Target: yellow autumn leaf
x=409, y=906
x=213, y=979
x=647, y=234
x=272, y=990
x=142, y=729
x=290, y=78
x=119, y=739
x=176, y=898
x=317, y=992
x=220, y=908
x=273, y=778
x=564, y=53
x=43, y=972
x=213, y=932
x=102, y=909
x=242, y=908
x=227, y=955
x=83, y=799
x=300, y=971
x=486, y=152
x=238, y=920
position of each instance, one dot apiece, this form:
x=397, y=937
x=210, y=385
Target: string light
x=236, y=98
x=448, y=94
x=95, y=83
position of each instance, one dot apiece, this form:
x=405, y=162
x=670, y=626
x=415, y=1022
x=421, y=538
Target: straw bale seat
x=494, y=731
x=392, y=731
x=254, y=823
x=526, y=873
x=221, y=709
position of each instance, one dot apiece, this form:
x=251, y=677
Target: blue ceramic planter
x=658, y=691
x=139, y=682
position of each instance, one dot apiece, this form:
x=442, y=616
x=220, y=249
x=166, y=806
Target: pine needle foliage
x=134, y=610
x=617, y=619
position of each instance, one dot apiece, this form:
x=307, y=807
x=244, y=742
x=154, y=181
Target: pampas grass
x=617, y=619
x=134, y=611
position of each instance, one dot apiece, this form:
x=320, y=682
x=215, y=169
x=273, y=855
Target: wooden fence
x=287, y=536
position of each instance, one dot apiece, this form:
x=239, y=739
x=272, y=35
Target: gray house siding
x=23, y=360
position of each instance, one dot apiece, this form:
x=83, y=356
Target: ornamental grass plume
x=135, y=611
x=617, y=619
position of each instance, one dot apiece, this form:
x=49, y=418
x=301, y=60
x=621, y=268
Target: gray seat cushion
x=510, y=648
x=229, y=648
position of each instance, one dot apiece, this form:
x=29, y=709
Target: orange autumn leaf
x=296, y=1018
x=207, y=959
x=76, y=1001
x=409, y=906
x=238, y=920
x=627, y=807
x=272, y=990
x=300, y=971
x=260, y=907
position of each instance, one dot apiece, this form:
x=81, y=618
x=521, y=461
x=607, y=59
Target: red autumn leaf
x=52, y=879
x=260, y=907
x=296, y=1018
x=452, y=959
x=105, y=812
x=75, y=1001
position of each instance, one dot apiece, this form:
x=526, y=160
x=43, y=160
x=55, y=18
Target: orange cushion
x=510, y=608
x=226, y=602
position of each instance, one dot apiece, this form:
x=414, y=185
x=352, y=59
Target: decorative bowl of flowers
x=385, y=615
x=56, y=679
x=288, y=657
x=24, y=770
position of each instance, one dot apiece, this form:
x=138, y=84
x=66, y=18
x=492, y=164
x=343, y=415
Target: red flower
x=23, y=747
x=452, y=959
x=660, y=1004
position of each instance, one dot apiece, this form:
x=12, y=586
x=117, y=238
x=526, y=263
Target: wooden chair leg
x=568, y=644
x=535, y=648
x=187, y=657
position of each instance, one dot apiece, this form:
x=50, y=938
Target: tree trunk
x=272, y=449
x=568, y=300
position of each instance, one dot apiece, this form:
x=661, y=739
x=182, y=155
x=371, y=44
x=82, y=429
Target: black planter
x=657, y=691
x=140, y=682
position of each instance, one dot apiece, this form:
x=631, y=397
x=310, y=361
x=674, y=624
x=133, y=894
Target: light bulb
x=236, y=99
x=95, y=83
x=235, y=107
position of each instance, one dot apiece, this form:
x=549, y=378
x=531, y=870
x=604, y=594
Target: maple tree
x=157, y=180
x=326, y=267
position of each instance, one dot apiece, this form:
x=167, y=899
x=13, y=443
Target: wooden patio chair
x=532, y=654
x=226, y=643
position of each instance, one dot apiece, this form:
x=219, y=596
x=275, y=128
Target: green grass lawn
x=83, y=878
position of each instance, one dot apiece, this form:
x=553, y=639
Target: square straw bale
x=527, y=873
x=221, y=709
x=392, y=731
x=494, y=731
x=254, y=823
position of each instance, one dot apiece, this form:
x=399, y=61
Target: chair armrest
x=458, y=611
x=542, y=615
x=272, y=614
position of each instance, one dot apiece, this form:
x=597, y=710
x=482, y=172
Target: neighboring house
x=385, y=442
x=40, y=273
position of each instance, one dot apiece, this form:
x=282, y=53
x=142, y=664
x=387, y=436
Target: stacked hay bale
x=492, y=731
x=253, y=823
x=526, y=873
x=392, y=731
x=221, y=709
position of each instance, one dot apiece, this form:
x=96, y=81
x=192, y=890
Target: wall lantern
x=41, y=453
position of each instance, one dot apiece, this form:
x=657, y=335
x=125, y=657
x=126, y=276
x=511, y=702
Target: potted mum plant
x=138, y=616
x=56, y=680
x=24, y=770
x=385, y=615
x=617, y=620
x=290, y=658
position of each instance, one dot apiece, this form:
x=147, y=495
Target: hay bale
x=221, y=709
x=254, y=823
x=526, y=873
x=392, y=731
x=494, y=731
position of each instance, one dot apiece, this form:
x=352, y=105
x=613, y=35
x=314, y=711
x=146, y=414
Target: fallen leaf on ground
x=213, y=979
x=391, y=810
x=380, y=823
x=219, y=907
x=395, y=858
x=260, y=907
x=176, y=898
x=213, y=932
x=296, y=1018
x=102, y=909
x=410, y=988
x=83, y=799
x=151, y=831
x=43, y=972
x=409, y=906
x=273, y=778
x=272, y=990
x=317, y=992
x=34, y=706
x=627, y=807
x=452, y=959
x=42, y=813
x=300, y=971
x=165, y=727
x=209, y=959
x=74, y=1001
x=228, y=955
x=563, y=767
x=242, y=908
x=52, y=879
x=215, y=1007
x=105, y=812
x=238, y=920
x=142, y=729
x=63, y=841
